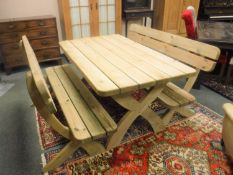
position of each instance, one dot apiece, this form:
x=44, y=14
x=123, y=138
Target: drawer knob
x=44, y=43
x=11, y=26
x=41, y=23
x=43, y=33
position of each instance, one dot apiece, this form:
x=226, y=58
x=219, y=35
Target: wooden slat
x=88, y=118
x=38, y=76
x=102, y=115
x=177, y=53
x=138, y=63
x=153, y=53
x=177, y=94
x=129, y=69
x=118, y=77
x=228, y=109
x=203, y=49
x=160, y=66
x=74, y=121
x=100, y=83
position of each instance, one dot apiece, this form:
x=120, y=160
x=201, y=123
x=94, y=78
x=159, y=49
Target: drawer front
x=11, y=49
x=41, y=23
x=47, y=54
x=11, y=37
x=12, y=26
x=14, y=60
x=42, y=32
x=44, y=43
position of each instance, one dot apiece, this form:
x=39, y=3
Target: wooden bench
x=196, y=54
x=228, y=129
x=87, y=120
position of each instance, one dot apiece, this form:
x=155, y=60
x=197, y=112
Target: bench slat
x=88, y=118
x=175, y=52
x=177, y=94
x=102, y=115
x=199, y=48
x=74, y=121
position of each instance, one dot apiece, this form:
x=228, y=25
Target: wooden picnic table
x=116, y=66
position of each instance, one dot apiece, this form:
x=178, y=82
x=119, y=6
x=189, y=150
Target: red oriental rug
x=187, y=146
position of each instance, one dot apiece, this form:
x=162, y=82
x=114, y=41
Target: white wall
x=27, y=8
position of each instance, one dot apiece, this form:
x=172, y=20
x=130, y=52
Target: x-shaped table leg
x=135, y=109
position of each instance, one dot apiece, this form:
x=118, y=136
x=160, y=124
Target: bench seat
x=174, y=96
x=86, y=118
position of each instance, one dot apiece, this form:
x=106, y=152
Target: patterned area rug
x=215, y=84
x=187, y=146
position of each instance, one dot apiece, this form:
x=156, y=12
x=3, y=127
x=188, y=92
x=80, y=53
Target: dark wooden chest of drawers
x=42, y=34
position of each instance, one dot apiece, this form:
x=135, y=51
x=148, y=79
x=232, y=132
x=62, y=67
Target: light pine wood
x=74, y=120
x=196, y=47
x=127, y=68
x=155, y=54
x=86, y=115
x=101, y=114
x=175, y=52
x=131, y=116
x=198, y=55
x=136, y=61
x=228, y=129
x=38, y=76
x=119, y=78
x=86, y=118
x=143, y=56
x=43, y=110
x=101, y=84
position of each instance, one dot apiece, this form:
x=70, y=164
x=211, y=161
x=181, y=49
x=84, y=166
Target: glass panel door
x=107, y=17
x=80, y=18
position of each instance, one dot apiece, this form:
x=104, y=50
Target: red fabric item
x=189, y=24
x=222, y=59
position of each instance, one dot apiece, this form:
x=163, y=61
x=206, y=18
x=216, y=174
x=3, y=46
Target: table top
x=114, y=65
x=211, y=31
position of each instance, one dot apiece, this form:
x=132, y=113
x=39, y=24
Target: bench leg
x=93, y=148
x=184, y=111
x=62, y=156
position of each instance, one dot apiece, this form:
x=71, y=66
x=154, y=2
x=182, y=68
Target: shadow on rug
x=187, y=146
x=215, y=84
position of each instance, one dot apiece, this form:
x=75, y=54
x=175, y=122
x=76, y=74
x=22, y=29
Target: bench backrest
x=196, y=54
x=37, y=76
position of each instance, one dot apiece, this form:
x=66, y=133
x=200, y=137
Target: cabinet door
x=185, y=4
x=109, y=17
x=172, y=16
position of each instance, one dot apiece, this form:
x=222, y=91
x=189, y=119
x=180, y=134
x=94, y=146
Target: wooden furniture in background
x=116, y=66
x=42, y=34
x=90, y=17
x=135, y=14
x=228, y=129
x=86, y=119
x=167, y=15
x=196, y=54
